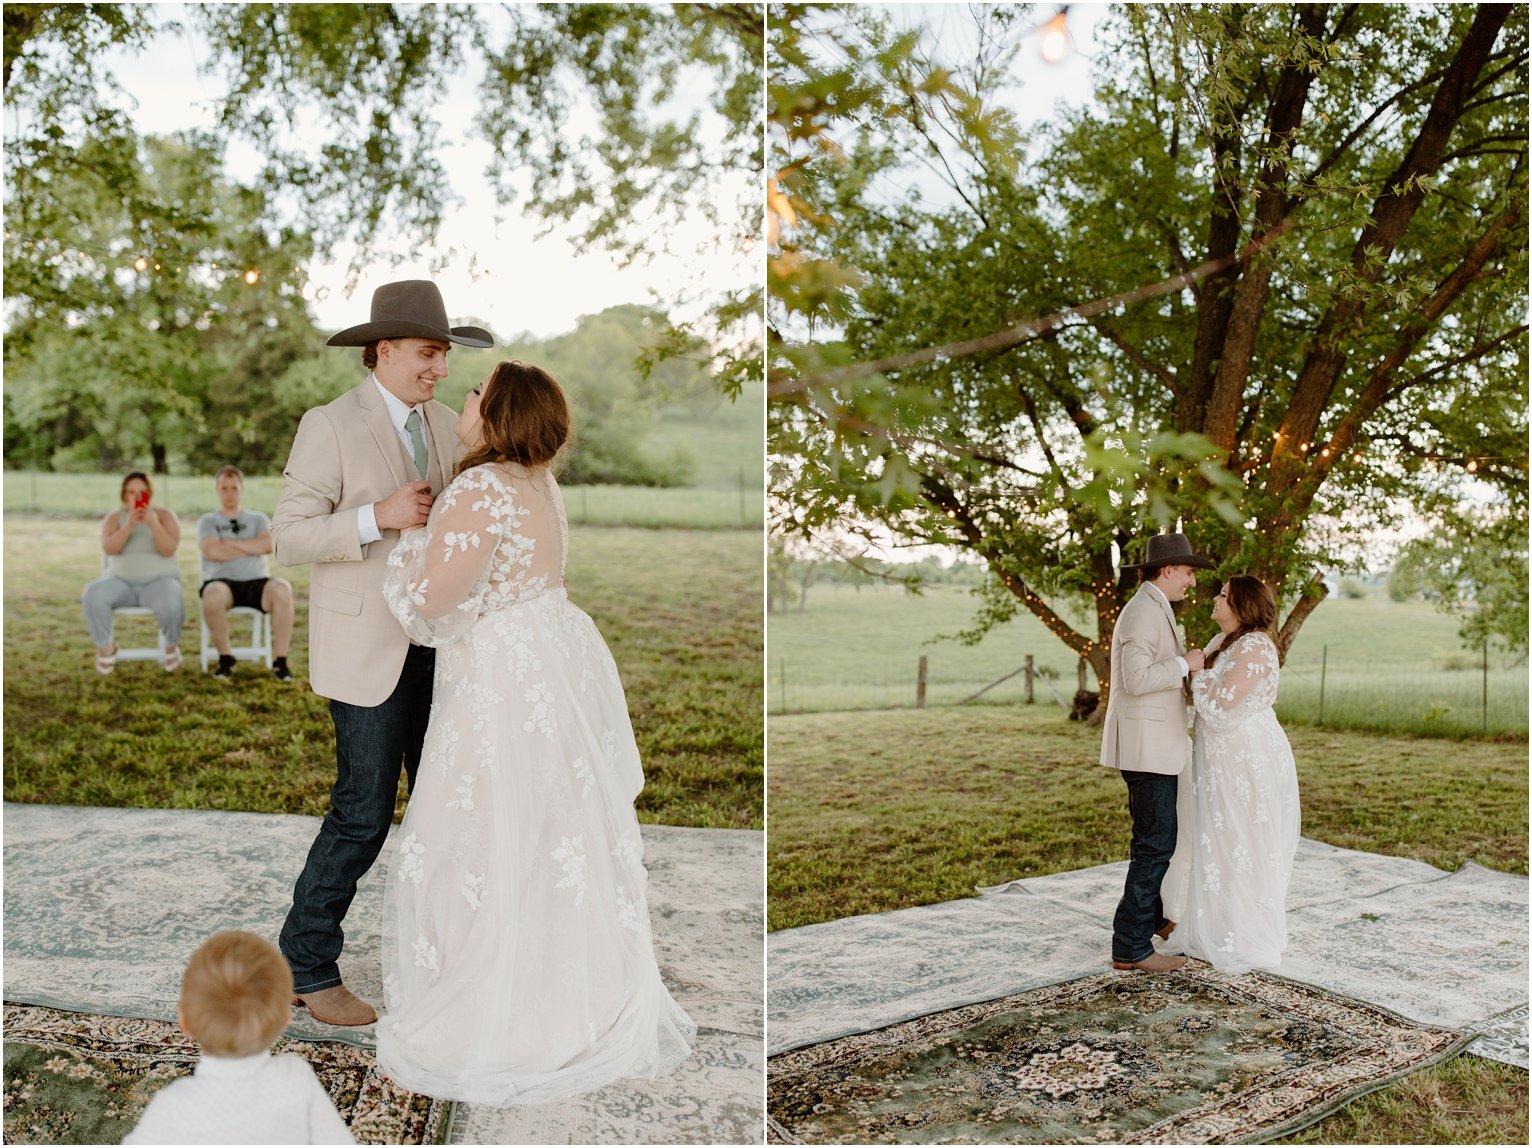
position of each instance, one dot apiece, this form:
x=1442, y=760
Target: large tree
x=148, y=304
x=1270, y=282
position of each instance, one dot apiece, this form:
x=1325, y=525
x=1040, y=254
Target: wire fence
x=1470, y=692
x=1480, y=692
x=191, y=495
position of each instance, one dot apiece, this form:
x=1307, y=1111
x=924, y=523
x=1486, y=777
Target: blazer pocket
x=1152, y=713
x=340, y=601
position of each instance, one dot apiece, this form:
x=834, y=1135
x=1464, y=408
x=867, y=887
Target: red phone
x=141, y=500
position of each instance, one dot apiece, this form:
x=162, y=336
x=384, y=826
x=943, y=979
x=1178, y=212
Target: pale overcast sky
x=499, y=270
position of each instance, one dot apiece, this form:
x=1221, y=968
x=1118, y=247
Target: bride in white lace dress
x=1237, y=808
x=517, y=957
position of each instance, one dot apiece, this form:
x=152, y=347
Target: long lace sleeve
x=1242, y=682
x=436, y=576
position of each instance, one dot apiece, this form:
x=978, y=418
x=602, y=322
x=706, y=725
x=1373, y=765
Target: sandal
x=106, y=663
x=173, y=660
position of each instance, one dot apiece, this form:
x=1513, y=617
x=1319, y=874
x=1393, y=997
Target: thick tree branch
x=1376, y=389
x=782, y=387
x=947, y=502
x=1313, y=595
x=1391, y=215
x=1135, y=356
x=1237, y=346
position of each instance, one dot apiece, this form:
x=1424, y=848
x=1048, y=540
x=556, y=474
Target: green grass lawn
x=1394, y=667
x=873, y=811
x=679, y=608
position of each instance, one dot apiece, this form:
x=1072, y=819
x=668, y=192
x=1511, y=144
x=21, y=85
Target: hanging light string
x=1323, y=451
x=127, y=258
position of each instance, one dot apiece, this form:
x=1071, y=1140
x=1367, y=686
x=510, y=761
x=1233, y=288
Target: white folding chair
x=153, y=653
x=260, y=638
x=137, y=653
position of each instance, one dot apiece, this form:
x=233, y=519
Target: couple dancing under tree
x=1215, y=817
x=518, y=961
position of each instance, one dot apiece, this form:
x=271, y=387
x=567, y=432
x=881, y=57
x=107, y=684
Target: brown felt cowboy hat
x=1170, y=550
x=411, y=308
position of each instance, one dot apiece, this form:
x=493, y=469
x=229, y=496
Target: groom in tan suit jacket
x=1144, y=736
x=362, y=469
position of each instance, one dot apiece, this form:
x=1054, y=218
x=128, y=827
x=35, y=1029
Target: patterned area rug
x=71, y=1078
x=106, y=928
x=1504, y=1038
x=1191, y=1057
x=1447, y=949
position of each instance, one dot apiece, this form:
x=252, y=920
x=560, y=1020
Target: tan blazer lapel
x=1170, y=616
x=375, y=415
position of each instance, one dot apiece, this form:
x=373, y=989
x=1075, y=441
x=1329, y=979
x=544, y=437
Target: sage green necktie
x=412, y=424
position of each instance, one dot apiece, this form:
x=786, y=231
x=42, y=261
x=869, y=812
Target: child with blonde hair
x=236, y=998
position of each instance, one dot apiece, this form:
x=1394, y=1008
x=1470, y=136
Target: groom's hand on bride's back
x=408, y=506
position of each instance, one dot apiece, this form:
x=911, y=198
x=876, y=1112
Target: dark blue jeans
x=371, y=743
x=1152, y=805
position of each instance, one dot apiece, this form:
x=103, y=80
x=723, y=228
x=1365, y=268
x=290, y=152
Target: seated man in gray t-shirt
x=234, y=544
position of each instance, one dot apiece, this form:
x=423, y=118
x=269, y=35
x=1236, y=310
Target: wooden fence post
x=1031, y=670
x=1080, y=675
x=1484, y=690
x=920, y=685
x=1324, y=658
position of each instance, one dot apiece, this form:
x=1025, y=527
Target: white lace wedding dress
x=1237, y=817
x=517, y=958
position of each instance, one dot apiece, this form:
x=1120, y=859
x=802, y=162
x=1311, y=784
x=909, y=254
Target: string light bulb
x=251, y=276
x=1054, y=45
x=141, y=264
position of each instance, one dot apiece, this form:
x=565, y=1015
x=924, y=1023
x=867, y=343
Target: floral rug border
x=1221, y=1121
x=91, y=1035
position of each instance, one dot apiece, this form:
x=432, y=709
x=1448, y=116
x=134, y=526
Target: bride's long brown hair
x=523, y=417
x=1255, y=611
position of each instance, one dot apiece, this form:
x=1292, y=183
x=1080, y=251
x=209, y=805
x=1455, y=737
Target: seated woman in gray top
x=140, y=544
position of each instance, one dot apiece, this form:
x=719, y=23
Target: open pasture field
x=679, y=608
x=1392, y=667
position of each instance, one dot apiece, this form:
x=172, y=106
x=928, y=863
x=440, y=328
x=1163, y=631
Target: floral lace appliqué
x=571, y=855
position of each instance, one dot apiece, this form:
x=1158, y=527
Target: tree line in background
x=155, y=305
x=233, y=392
x=1270, y=284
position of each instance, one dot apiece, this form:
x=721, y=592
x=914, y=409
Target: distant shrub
x=1460, y=660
